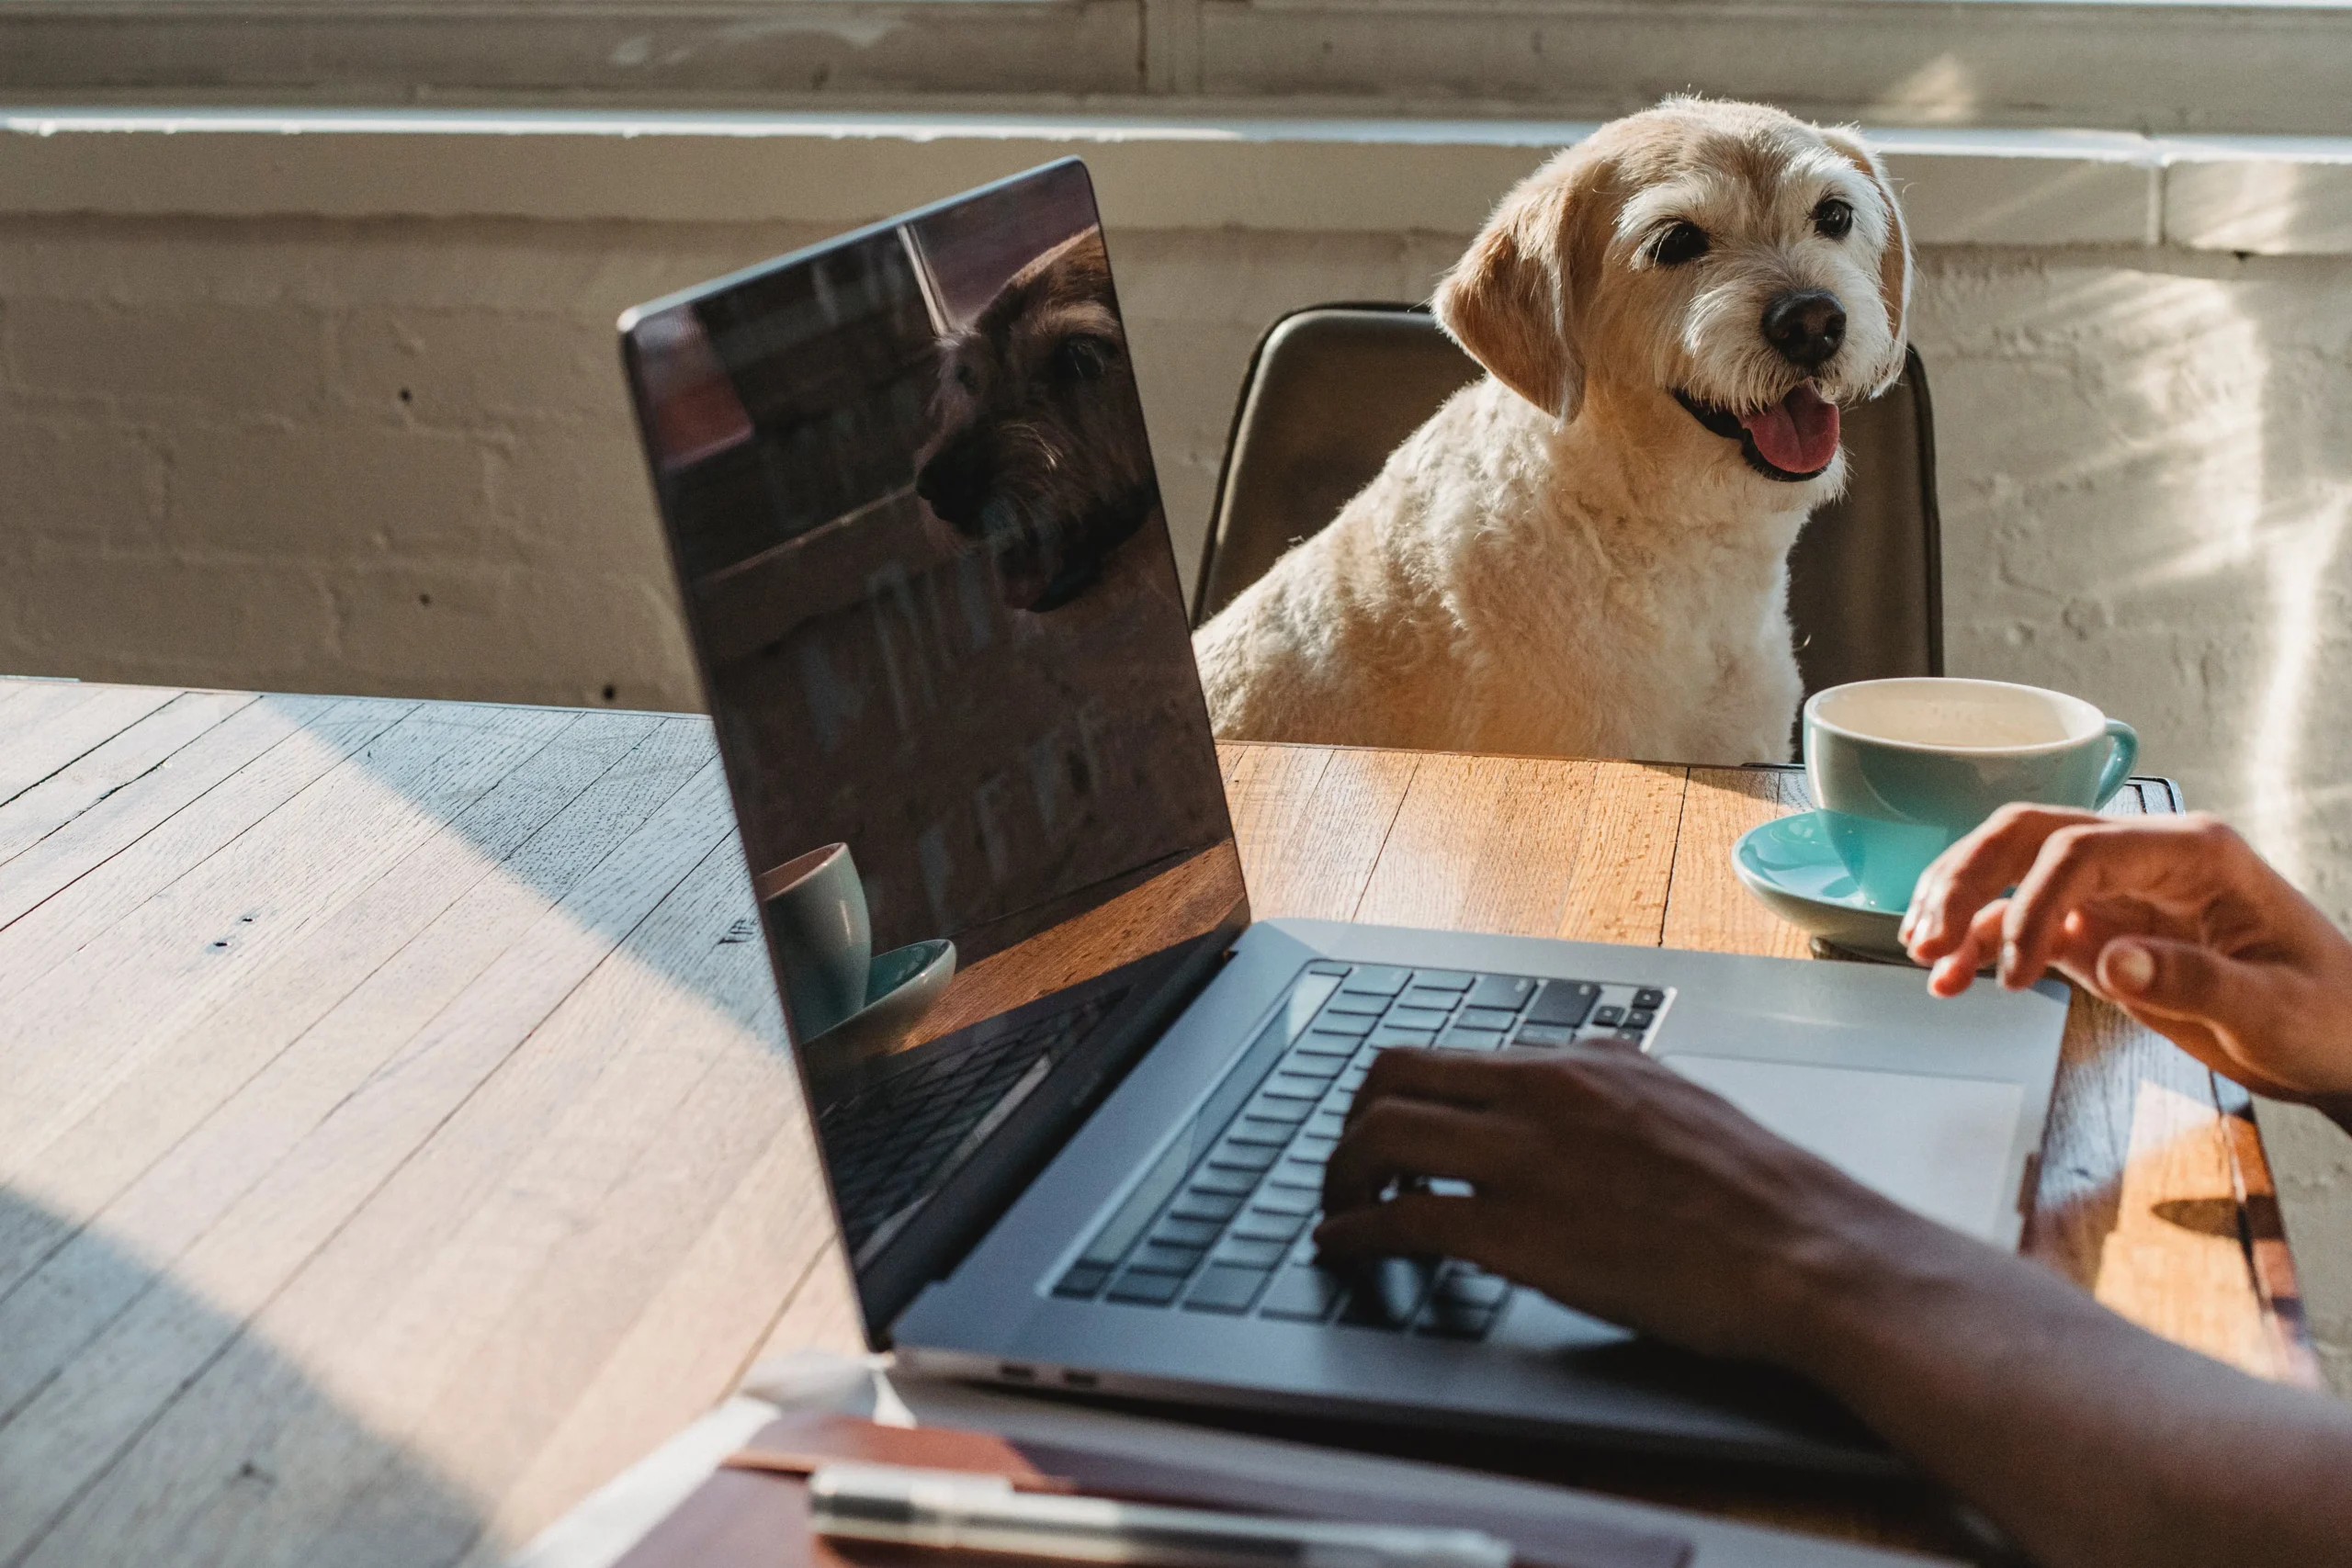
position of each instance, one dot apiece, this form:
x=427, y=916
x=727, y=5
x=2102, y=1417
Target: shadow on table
x=140, y=1424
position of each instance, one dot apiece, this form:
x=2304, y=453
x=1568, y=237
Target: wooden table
x=395, y=1140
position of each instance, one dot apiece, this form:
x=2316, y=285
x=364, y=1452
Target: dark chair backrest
x=1332, y=390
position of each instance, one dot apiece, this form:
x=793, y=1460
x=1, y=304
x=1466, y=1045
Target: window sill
x=2267, y=195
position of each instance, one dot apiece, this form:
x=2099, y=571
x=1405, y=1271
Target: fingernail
x=2131, y=966
x=2010, y=962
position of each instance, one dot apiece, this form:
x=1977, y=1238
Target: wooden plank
x=210, y=928
x=123, y=759
x=689, y=1349
x=160, y=1158
x=647, y=1097
x=822, y=1314
x=86, y=876
x=63, y=857
x=1626, y=865
x=2174, y=1261
x=1707, y=908
x=1482, y=844
x=1310, y=821
x=34, y=751
x=59, y=1457
x=2264, y=1234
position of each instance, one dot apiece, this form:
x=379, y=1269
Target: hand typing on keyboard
x=1596, y=1176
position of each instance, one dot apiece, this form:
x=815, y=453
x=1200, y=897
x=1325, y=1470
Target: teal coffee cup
x=1902, y=769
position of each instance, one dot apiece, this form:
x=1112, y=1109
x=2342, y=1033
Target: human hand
x=2174, y=919
x=1615, y=1186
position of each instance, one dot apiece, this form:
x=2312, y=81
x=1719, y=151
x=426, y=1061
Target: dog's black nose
x=1806, y=325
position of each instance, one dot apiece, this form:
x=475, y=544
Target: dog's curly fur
x=1573, y=557
x=1040, y=447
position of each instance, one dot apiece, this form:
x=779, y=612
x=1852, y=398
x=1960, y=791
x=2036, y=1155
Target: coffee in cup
x=1902, y=769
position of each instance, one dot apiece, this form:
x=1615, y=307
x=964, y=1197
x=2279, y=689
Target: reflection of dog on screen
x=1040, y=450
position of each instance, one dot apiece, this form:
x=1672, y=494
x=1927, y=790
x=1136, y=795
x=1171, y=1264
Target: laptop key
x=1352, y=1023
x=1639, y=1018
x=1304, y=1295
x=1473, y=1289
x=1607, y=1017
x=1241, y=1156
x=1313, y=1065
x=1564, y=1002
x=1507, y=991
x=1223, y=1288
x=1376, y=980
x=1259, y=1130
x=1649, y=996
x=1159, y=1258
x=1260, y=1225
x=1388, y=1036
x=1147, y=1290
x=1235, y=1183
x=1175, y=1232
x=1431, y=1020
x=1542, y=1034
x=1251, y=1254
x=1443, y=979
x=1285, y=1200
x=1214, y=1207
x=1461, y=1038
x=1428, y=996
x=1448, y=1320
x=1082, y=1281
x=1356, y=1001
x=1487, y=1018
x=1320, y=1042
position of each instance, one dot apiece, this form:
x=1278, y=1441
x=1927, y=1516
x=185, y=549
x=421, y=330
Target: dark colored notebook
x=744, y=1518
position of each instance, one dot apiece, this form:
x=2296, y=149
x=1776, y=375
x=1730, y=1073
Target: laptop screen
x=919, y=542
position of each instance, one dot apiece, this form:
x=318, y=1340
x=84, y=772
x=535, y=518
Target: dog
x=1040, y=450
x=1584, y=552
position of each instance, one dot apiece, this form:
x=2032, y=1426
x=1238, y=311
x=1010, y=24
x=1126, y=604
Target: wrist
x=1851, y=1290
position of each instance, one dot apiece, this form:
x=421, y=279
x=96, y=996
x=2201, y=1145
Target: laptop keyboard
x=1236, y=1235
x=888, y=1145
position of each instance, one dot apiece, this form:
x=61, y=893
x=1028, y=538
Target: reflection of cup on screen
x=816, y=912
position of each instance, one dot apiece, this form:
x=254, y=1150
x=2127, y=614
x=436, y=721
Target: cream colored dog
x=1584, y=553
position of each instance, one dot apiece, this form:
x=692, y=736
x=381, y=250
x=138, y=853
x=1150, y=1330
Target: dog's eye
x=1085, y=359
x=1678, y=242
x=967, y=378
x=1832, y=219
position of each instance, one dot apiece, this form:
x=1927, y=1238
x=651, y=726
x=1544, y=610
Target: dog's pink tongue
x=1797, y=434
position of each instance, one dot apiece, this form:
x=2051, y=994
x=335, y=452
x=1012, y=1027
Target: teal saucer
x=1794, y=870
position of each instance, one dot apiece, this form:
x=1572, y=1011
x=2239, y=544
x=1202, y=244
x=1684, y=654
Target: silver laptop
x=1073, y=1104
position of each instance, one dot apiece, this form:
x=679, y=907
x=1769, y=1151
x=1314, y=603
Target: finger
x=1411, y=1224
x=2182, y=980
x=2076, y=865
x=1956, y=970
x=1470, y=1079
x=1401, y=1137
x=1976, y=871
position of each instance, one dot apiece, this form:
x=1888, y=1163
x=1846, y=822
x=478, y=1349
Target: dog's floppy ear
x=1894, y=264
x=1506, y=301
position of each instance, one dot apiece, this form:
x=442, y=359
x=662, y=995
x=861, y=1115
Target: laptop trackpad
x=1936, y=1145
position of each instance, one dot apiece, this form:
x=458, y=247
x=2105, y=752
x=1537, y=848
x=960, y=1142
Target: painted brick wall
x=395, y=457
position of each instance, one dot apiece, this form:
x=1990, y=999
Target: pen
x=956, y=1510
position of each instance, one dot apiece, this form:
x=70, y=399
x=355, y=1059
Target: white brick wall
x=393, y=455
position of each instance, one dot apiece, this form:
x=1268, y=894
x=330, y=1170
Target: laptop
x=1073, y=1103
